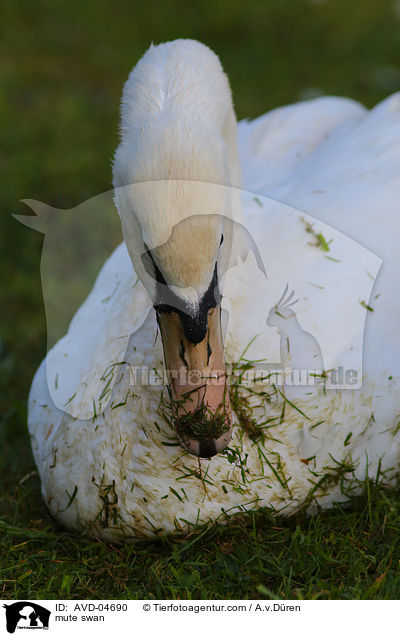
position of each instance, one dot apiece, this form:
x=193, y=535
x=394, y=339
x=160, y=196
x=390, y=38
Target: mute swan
x=122, y=473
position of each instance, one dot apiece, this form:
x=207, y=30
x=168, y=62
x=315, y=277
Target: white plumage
x=118, y=474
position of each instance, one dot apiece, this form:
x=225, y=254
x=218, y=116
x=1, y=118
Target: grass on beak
x=203, y=423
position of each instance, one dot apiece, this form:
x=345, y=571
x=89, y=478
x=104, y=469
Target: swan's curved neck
x=173, y=172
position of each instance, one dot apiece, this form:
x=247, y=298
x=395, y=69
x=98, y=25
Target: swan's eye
x=151, y=266
x=222, y=239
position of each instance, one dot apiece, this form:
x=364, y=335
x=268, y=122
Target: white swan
x=122, y=473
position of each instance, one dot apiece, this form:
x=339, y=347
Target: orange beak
x=198, y=384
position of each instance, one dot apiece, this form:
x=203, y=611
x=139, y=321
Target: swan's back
x=340, y=163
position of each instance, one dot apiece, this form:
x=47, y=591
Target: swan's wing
x=332, y=281
x=83, y=366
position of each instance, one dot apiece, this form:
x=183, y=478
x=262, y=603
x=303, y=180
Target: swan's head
x=177, y=228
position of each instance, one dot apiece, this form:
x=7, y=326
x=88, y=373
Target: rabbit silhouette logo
x=26, y=615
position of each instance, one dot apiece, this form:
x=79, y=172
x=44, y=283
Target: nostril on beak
x=207, y=448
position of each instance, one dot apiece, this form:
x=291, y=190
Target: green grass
x=350, y=552
x=63, y=65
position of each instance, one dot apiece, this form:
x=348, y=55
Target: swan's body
x=119, y=473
